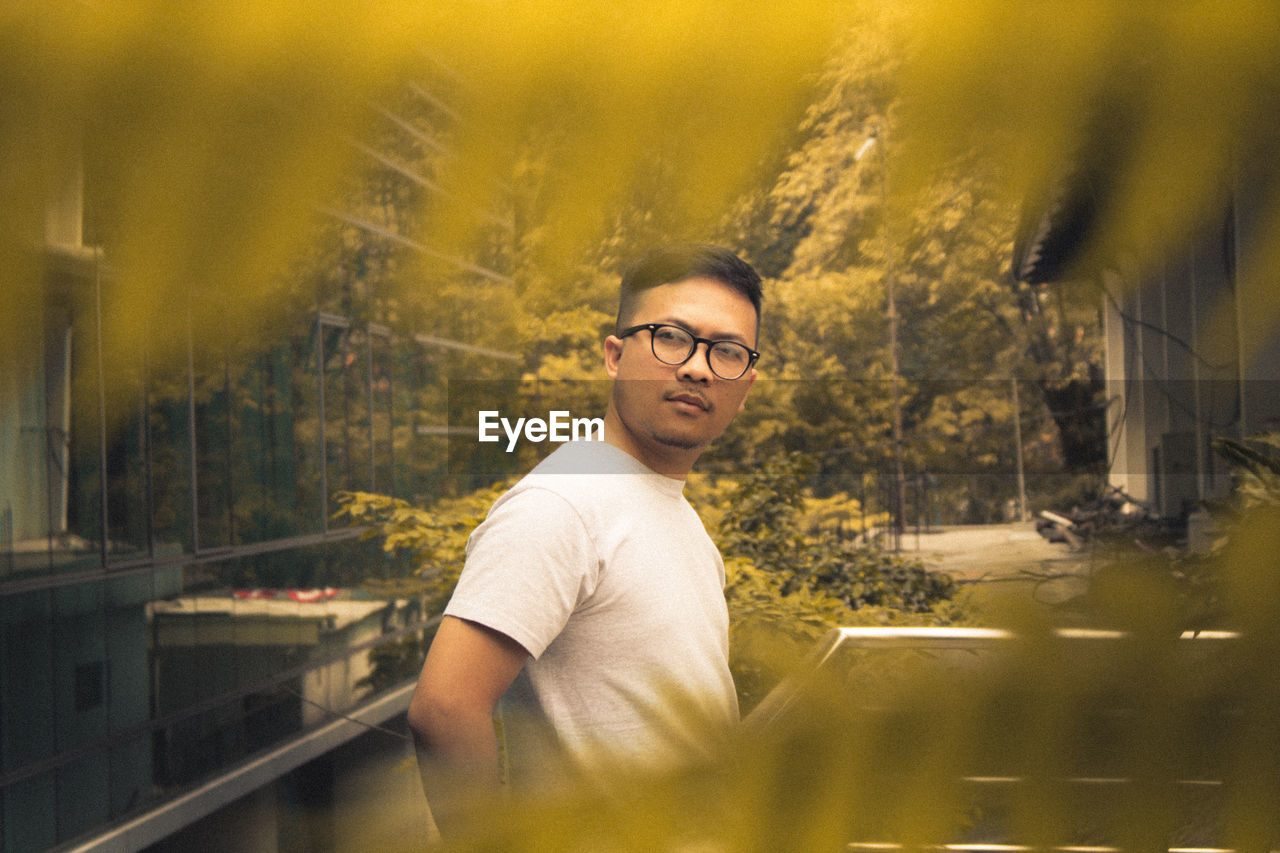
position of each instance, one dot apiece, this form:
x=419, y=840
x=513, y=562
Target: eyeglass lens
x=672, y=345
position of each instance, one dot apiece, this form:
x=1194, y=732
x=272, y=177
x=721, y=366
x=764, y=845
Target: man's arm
x=467, y=670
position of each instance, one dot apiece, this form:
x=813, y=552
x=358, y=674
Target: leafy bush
x=764, y=519
x=769, y=631
x=1255, y=470
x=761, y=519
x=432, y=541
x=1195, y=577
x=786, y=588
x=1255, y=474
x=429, y=546
x=869, y=576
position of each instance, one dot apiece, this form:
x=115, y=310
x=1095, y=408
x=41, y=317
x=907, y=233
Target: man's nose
x=697, y=367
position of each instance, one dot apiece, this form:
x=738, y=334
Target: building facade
x=185, y=638
x=1191, y=343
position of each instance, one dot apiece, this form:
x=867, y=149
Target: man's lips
x=689, y=398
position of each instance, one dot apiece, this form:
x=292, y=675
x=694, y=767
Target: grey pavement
x=1009, y=552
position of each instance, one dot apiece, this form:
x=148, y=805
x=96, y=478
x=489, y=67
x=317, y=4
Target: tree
x=843, y=216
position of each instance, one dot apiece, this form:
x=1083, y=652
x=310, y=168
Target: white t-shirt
x=604, y=573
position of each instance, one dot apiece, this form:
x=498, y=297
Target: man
x=592, y=596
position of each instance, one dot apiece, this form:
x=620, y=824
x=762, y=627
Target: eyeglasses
x=673, y=345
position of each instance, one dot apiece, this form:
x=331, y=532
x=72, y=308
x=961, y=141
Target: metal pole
x=899, y=474
x=368, y=381
x=322, y=450
x=1017, y=440
x=898, y=511
x=103, y=493
x=193, y=448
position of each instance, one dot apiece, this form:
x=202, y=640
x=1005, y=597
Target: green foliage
x=762, y=519
x=1195, y=578
x=869, y=576
x=790, y=580
x=833, y=228
x=432, y=540
x=763, y=523
x=770, y=630
x=1255, y=474
x=1255, y=469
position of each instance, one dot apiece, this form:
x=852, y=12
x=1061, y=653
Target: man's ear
x=612, y=355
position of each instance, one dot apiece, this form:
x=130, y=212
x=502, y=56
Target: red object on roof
x=310, y=595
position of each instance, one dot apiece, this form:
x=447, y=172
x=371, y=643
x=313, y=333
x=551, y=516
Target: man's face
x=666, y=408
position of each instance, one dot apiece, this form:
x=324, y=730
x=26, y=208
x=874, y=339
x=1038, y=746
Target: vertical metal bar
x=898, y=515
x=895, y=370
x=348, y=458
x=53, y=702
x=320, y=420
x=373, y=459
x=147, y=469
x=192, y=446
x=391, y=418
x=862, y=510
x=102, y=407
x=919, y=490
x=1017, y=442
x=1236, y=258
x=1197, y=389
x=229, y=491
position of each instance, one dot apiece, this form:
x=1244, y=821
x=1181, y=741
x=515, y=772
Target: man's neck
x=673, y=462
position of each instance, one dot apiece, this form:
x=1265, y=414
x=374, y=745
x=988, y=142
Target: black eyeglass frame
x=752, y=355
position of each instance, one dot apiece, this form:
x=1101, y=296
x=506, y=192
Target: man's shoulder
x=593, y=480
x=586, y=458
x=579, y=471
x=567, y=478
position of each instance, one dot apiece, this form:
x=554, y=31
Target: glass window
x=170, y=465
x=264, y=498
x=128, y=485
x=306, y=353
x=419, y=406
x=130, y=768
x=357, y=446
x=381, y=415
x=83, y=795
x=128, y=648
x=29, y=822
x=84, y=473
x=79, y=663
x=195, y=746
x=33, y=439
x=26, y=679
x=214, y=481
x=336, y=416
x=193, y=654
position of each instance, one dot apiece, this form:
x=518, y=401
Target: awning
x=1057, y=227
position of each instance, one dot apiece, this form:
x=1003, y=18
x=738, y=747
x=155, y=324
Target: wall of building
x=1183, y=365
x=132, y=491
x=364, y=795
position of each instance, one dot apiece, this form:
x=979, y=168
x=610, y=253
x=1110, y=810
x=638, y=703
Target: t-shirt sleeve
x=529, y=564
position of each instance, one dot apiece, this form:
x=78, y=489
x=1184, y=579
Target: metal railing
x=825, y=660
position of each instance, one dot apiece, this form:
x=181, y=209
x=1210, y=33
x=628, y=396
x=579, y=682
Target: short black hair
x=669, y=264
